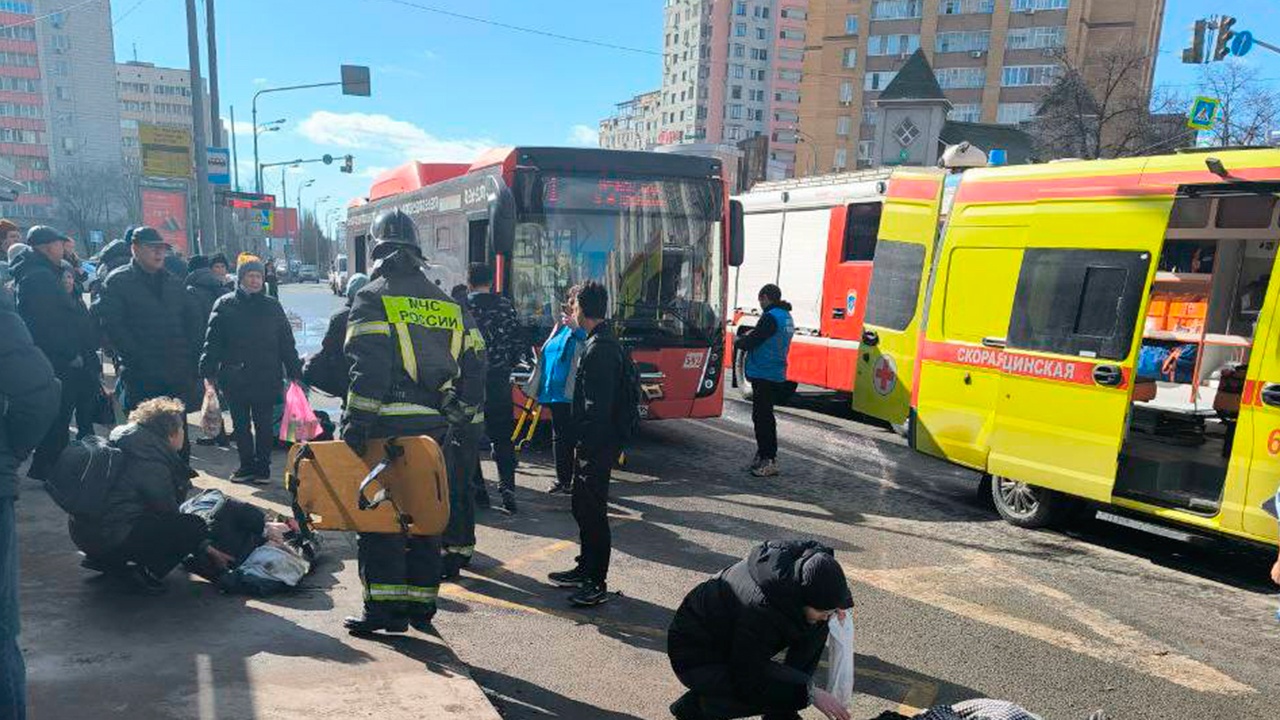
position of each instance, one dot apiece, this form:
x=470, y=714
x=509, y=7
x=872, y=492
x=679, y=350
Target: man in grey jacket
x=29, y=399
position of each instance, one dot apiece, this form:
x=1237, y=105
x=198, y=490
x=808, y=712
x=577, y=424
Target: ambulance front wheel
x=1024, y=505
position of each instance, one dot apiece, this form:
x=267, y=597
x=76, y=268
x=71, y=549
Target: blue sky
x=443, y=88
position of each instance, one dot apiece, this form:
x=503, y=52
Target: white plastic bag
x=840, y=658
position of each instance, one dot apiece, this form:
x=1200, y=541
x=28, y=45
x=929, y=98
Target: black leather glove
x=454, y=412
x=356, y=437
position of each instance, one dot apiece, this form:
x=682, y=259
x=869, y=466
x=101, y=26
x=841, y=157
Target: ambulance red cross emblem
x=884, y=376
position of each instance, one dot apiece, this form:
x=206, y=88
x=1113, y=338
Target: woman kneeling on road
x=140, y=533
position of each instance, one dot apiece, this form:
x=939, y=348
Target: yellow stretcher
x=399, y=486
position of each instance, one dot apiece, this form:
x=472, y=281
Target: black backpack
x=83, y=476
x=626, y=412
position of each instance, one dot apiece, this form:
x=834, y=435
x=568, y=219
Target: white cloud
x=259, y=81
x=429, y=55
x=584, y=135
x=242, y=127
x=362, y=131
x=373, y=171
x=399, y=70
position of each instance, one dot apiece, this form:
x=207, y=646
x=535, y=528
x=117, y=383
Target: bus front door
x=899, y=276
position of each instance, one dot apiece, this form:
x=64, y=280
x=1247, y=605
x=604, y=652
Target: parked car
x=308, y=273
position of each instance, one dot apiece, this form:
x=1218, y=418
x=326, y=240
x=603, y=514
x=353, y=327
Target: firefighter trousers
x=459, y=540
x=400, y=573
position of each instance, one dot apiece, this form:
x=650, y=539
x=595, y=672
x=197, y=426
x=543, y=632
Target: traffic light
x=1222, y=46
x=348, y=164
x=1194, y=53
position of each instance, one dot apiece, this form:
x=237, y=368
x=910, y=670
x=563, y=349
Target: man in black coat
x=597, y=391
x=497, y=319
x=29, y=401
x=249, y=351
x=204, y=286
x=725, y=634
x=153, y=326
x=53, y=317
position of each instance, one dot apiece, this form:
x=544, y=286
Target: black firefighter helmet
x=391, y=230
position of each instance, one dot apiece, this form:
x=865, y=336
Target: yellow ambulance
x=1099, y=330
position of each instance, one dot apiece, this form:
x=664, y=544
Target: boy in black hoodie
x=725, y=634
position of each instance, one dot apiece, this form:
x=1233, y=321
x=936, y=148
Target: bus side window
x=444, y=238
x=1078, y=302
x=861, y=231
x=478, y=241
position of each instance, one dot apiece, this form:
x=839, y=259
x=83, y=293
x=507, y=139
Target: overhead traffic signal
x=348, y=164
x=1222, y=45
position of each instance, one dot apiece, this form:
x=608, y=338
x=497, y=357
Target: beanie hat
x=197, y=262
x=823, y=585
x=248, y=266
x=17, y=250
x=43, y=235
x=354, y=283
x=218, y=259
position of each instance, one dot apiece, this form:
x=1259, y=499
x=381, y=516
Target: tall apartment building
x=154, y=95
x=24, y=117
x=994, y=59
x=732, y=70
x=634, y=126
x=77, y=53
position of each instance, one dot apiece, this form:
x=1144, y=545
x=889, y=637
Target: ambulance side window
x=895, y=284
x=861, y=230
x=1078, y=302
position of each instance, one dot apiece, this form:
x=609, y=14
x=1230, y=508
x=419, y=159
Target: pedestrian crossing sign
x=1203, y=112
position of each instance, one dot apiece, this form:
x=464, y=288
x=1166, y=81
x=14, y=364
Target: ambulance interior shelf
x=1213, y=274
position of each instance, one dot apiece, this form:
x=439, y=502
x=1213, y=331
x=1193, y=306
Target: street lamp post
x=299, y=238
x=355, y=81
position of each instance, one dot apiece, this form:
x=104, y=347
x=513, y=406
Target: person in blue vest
x=766, y=346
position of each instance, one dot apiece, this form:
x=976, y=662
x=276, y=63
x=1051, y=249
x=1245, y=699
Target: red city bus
x=654, y=228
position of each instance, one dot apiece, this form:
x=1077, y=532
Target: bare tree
x=1250, y=107
x=1103, y=108
x=84, y=200
x=127, y=195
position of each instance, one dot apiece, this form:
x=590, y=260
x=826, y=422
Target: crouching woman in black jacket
x=140, y=532
x=725, y=634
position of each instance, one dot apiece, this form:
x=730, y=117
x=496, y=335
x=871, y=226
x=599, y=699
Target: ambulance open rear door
x=899, y=276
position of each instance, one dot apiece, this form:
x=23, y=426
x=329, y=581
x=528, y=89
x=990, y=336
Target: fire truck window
x=1078, y=302
x=895, y=284
x=861, y=229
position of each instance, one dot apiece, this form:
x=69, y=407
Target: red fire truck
x=815, y=238
x=654, y=228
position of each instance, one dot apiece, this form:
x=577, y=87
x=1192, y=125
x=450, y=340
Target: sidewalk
x=94, y=650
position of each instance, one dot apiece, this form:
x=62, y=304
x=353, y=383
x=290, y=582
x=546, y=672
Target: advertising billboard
x=166, y=211
x=166, y=151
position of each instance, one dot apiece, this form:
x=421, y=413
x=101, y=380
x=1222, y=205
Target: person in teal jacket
x=552, y=385
x=767, y=345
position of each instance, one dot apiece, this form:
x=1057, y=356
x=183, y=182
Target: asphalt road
x=952, y=603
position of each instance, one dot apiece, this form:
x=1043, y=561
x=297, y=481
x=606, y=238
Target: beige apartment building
x=151, y=94
x=994, y=59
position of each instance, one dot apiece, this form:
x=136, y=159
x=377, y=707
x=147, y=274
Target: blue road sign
x=1242, y=43
x=1203, y=112
x=219, y=166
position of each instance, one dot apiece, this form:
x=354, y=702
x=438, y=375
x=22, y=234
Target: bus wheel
x=1024, y=505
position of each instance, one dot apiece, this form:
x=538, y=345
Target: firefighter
x=417, y=368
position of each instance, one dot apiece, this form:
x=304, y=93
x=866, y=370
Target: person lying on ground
x=140, y=534
x=728, y=629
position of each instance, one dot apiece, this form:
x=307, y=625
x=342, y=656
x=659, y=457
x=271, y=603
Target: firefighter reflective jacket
x=411, y=347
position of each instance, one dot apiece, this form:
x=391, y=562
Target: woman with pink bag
x=249, y=351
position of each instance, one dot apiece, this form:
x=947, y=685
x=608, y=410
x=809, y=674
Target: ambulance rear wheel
x=1024, y=505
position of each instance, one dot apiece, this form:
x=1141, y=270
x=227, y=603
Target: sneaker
x=559, y=488
x=509, y=502
x=262, y=473
x=755, y=463
x=767, y=468
x=206, y=442
x=574, y=578
x=243, y=475
x=687, y=708
x=590, y=594
x=451, y=566
x=145, y=581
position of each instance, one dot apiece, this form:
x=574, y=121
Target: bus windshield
x=655, y=244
